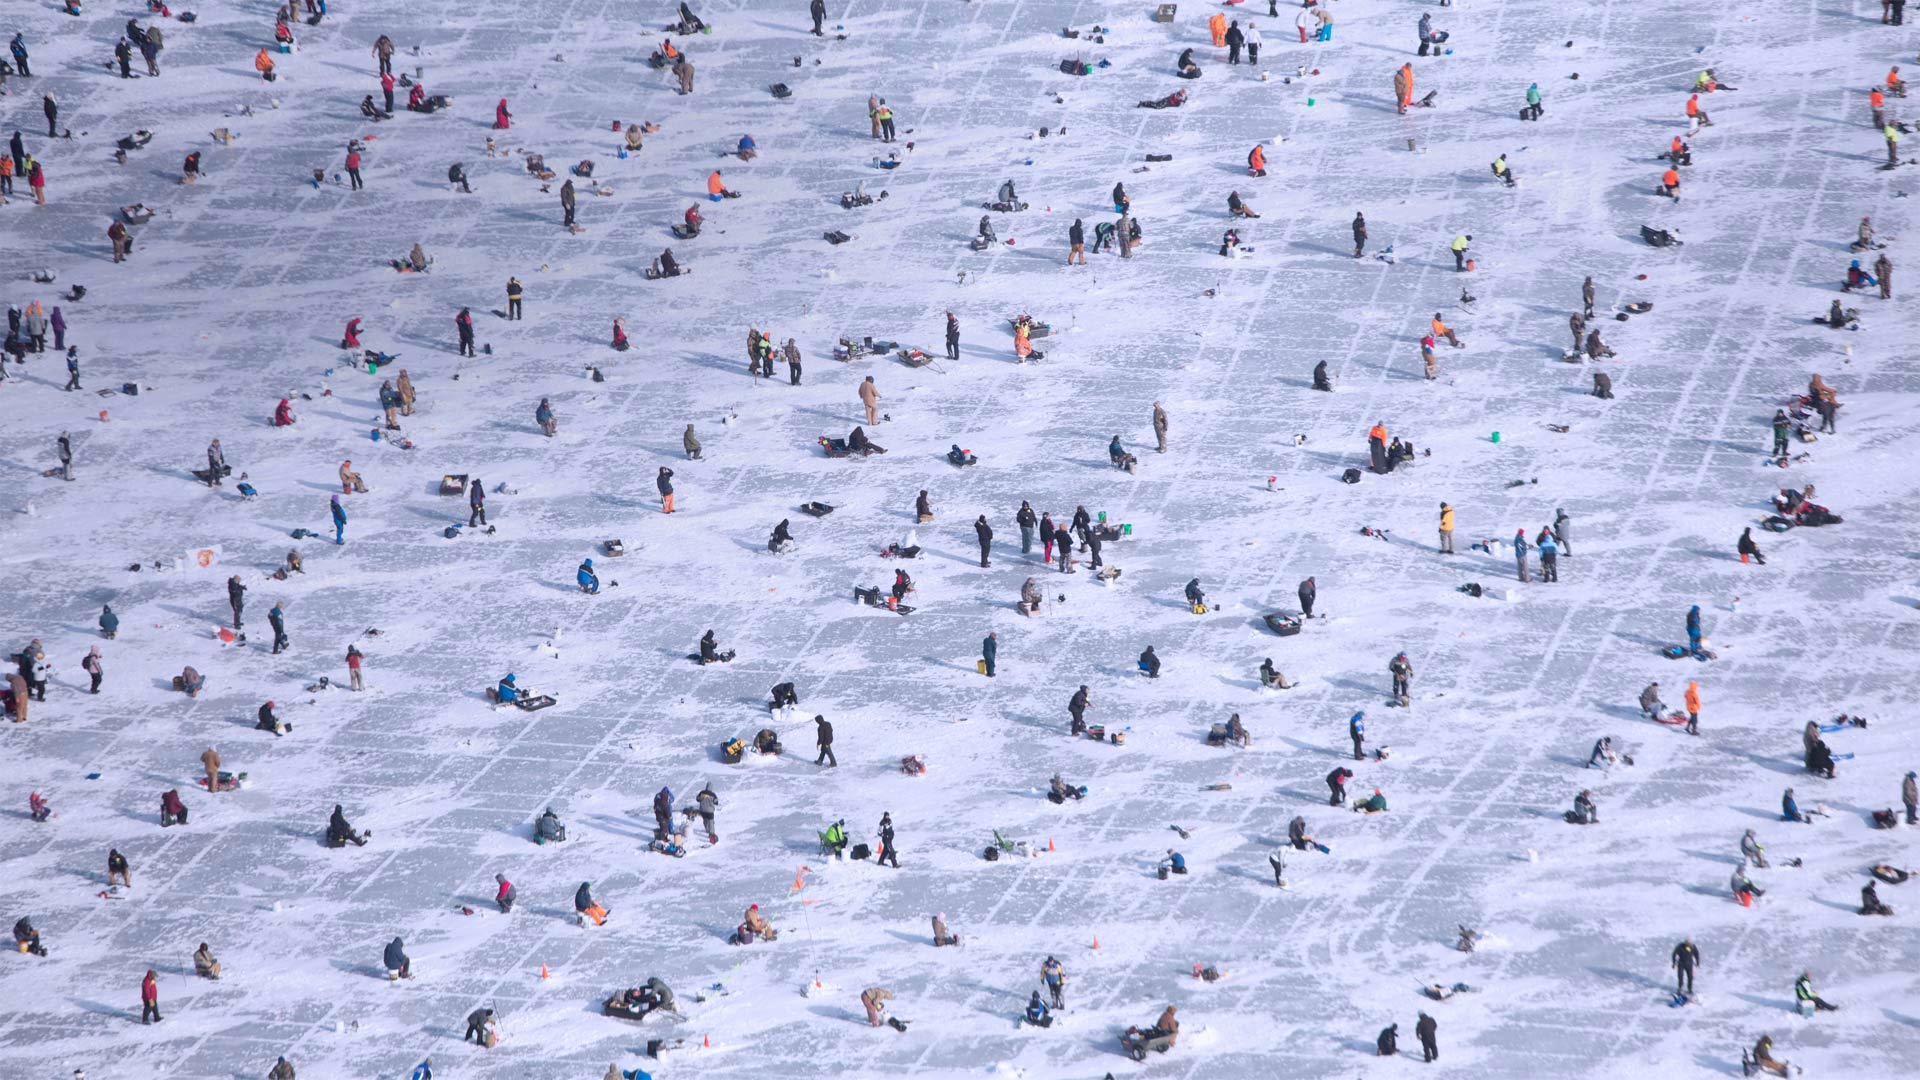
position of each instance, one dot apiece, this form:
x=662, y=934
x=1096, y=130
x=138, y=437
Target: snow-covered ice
x=237, y=292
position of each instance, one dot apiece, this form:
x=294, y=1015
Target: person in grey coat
x=236, y=598
x=477, y=1022
x=566, y=203
x=705, y=804
x=507, y=895
x=216, y=463
x=1910, y=794
x=691, y=443
x=66, y=457
x=1562, y=526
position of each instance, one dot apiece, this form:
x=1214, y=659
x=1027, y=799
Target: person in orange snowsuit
x=1679, y=153
x=716, y=188
x=1257, y=162
x=1878, y=102
x=1022, y=344
x=1217, y=26
x=263, y=63
x=1403, y=87
x=1670, y=184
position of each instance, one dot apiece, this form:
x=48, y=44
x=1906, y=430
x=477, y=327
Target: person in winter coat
x=282, y=1070
x=664, y=482
x=543, y=416
x=589, y=581
x=1234, y=38
x=172, y=810
x=1747, y=548
x=823, y=738
x=1357, y=731
x=1910, y=796
x=1054, y=978
x=339, y=521
x=1337, y=785
x=505, y=897
x=478, y=1022
x=211, y=761
x=207, y=967
x=1150, y=663
x=1426, y=1029
x=990, y=650
x=874, y=999
x=340, y=833
x=150, y=998
x=109, y=622
x=870, y=398
x=1388, y=1043
x=52, y=108
x=502, y=119
x=1650, y=702
x=1686, y=961
x=37, y=180
x=92, y=666
x=683, y=71
x=1693, y=708
x=1402, y=81
x=399, y=964
x=567, y=203
x=117, y=868
x=1307, y=594
x=1549, y=556
x=1750, y=847
x=584, y=904
x=984, y=533
x=941, y=937
x=690, y=443
x=1253, y=43
x=1520, y=553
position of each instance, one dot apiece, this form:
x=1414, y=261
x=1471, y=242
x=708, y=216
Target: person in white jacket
x=1253, y=43
x=1304, y=20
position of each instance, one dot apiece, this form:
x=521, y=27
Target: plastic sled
x=1892, y=875
x=1283, y=625
x=453, y=484
x=817, y=509
x=915, y=358
x=1671, y=719
x=534, y=704
x=228, y=781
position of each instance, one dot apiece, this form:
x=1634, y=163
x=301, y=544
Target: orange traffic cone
x=1096, y=941
x=543, y=972
x=1049, y=843
x=706, y=1042
x=1746, y=899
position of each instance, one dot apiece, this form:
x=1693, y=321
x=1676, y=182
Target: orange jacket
x=1677, y=146
x=1693, y=105
x=1257, y=159
x=1217, y=26
x=1439, y=328
x=1670, y=178
x=714, y=186
x=1693, y=697
x=262, y=62
x=1893, y=77
x=1878, y=100
x=1378, y=432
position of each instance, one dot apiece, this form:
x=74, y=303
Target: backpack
x=1351, y=476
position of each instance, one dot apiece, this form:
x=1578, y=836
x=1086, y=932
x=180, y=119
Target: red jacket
x=149, y=989
x=353, y=661
x=386, y=82
x=353, y=159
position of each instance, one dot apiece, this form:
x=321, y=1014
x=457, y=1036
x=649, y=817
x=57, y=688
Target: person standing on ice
x=1359, y=233
x=823, y=738
x=664, y=482
x=1693, y=629
x=1686, y=961
x=1253, y=44
x=463, y=326
x=150, y=998
x=818, y=9
x=339, y=522
x=1520, y=553
x=990, y=651
x=1054, y=978
x=984, y=533
x=1357, y=731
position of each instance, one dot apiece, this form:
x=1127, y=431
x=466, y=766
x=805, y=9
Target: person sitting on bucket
x=589, y=581
x=508, y=693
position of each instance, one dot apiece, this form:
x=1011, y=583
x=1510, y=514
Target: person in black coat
x=953, y=337
x=1024, y=518
x=663, y=811
x=236, y=598
x=1307, y=593
x=818, y=9
x=922, y=508
x=1077, y=242
x=665, y=483
x=1337, y=786
x=780, y=536
x=1063, y=546
x=1747, y=547
x=984, y=532
x=709, y=648
x=476, y=502
x=823, y=738
x=1150, y=663
x=1320, y=380
x=1426, y=1029
x=397, y=959
x=1235, y=39
x=339, y=833
x=887, y=853
x=278, y=620
x=1388, y=1044
x=1077, y=706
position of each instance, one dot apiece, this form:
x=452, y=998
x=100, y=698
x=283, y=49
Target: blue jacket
x=1036, y=1010
x=339, y=514
x=746, y=142
x=1789, y=809
x=509, y=692
x=1179, y=861
x=1548, y=547
x=586, y=576
x=1357, y=725
x=1693, y=621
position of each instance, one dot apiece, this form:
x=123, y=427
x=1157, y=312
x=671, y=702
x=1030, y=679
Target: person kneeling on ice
x=172, y=810
x=26, y=938
x=710, y=650
x=1650, y=702
x=692, y=219
x=1584, y=811
x=583, y=903
x=340, y=834
x=204, y=964
x=781, y=540
x=589, y=581
x=1870, y=901
x=620, y=342
x=746, y=148
x=941, y=937
x=1742, y=886
x=1790, y=810
x=399, y=964
x=1037, y=1013
x=1603, y=755
x=754, y=925
x=1174, y=863
x=549, y=828
x=1059, y=791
